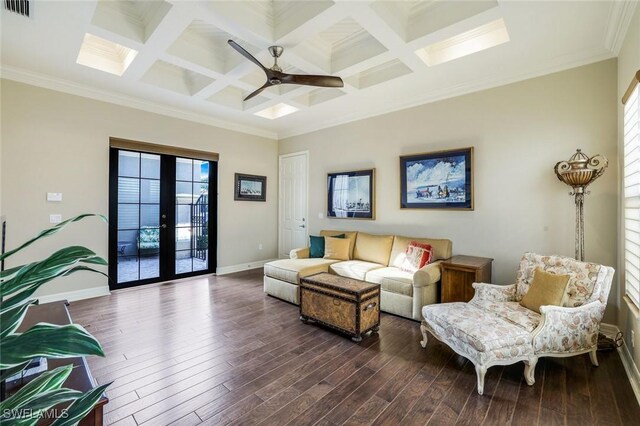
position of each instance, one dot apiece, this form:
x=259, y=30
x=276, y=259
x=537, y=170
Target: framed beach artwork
x=250, y=188
x=437, y=180
x=351, y=195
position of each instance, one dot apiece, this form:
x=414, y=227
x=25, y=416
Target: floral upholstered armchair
x=494, y=329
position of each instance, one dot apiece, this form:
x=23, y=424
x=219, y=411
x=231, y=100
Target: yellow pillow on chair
x=336, y=248
x=545, y=289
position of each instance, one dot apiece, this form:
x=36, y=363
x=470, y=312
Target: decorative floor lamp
x=579, y=172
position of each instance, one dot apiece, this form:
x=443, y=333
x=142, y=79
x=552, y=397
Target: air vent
x=18, y=6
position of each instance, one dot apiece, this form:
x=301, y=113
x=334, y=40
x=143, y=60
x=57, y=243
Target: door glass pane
x=129, y=164
x=184, y=169
x=150, y=166
x=128, y=269
x=200, y=171
x=150, y=215
x=184, y=263
x=192, y=215
x=149, y=191
x=128, y=190
x=184, y=192
x=128, y=216
x=149, y=266
x=138, y=242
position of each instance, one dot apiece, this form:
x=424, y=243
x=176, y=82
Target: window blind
x=631, y=172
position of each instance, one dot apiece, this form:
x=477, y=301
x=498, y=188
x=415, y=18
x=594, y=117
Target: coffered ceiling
x=172, y=57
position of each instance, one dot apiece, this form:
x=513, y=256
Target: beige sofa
x=373, y=258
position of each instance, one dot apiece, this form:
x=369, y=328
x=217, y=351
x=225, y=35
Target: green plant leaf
x=80, y=407
x=11, y=319
x=18, y=298
x=48, y=340
x=4, y=374
x=4, y=275
x=46, y=381
x=41, y=403
x=46, y=270
x=51, y=231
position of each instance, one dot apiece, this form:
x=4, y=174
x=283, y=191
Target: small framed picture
x=351, y=195
x=437, y=180
x=250, y=188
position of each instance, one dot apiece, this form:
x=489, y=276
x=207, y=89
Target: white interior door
x=293, y=224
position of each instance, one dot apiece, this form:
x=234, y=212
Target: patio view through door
x=161, y=217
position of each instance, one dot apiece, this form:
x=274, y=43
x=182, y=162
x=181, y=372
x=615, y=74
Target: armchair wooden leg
x=423, y=330
x=480, y=372
x=594, y=357
x=529, y=371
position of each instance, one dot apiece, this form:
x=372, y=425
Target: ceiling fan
x=275, y=76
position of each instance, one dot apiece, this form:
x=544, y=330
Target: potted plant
x=17, y=286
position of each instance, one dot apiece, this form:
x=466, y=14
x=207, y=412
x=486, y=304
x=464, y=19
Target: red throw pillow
x=428, y=255
x=416, y=256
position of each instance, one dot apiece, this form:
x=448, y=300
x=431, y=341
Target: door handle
x=164, y=225
x=302, y=226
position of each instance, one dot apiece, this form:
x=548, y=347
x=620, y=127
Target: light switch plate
x=54, y=196
x=55, y=218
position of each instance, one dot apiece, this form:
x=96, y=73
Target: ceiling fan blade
x=312, y=80
x=257, y=92
x=246, y=54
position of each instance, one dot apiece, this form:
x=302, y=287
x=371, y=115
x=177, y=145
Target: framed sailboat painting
x=351, y=195
x=437, y=180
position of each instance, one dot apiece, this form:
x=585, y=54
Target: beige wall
x=55, y=142
x=519, y=132
x=628, y=65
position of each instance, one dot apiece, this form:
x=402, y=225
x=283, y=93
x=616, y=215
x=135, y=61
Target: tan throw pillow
x=545, y=289
x=336, y=248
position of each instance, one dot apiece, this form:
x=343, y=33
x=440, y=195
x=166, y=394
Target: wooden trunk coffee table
x=345, y=304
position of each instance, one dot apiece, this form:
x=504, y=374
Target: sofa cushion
x=474, y=326
x=291, y=270
x=349, y=235
x=373, y=248
x=441, y=249
x=511, y=311
x=392, y=280
x=353, y=268
x=581, y=284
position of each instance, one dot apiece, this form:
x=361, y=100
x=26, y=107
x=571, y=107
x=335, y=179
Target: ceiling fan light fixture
x=276, y=111
x=478, y=39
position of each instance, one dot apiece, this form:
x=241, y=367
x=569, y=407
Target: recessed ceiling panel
x=232, y=97
x=136, y=20
x=340, y=46
x=105, y=55
x=176, y=79
x=206, y=45
x=415, y=19
x=318, y=96
x=379, y=74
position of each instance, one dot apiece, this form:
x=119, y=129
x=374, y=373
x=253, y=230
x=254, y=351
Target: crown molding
x=449, y=92
x=620, y=15
x=65, y=86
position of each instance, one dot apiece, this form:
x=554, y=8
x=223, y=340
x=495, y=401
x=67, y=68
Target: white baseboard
x=223, y=270
x=630, y=367
x=71, y=296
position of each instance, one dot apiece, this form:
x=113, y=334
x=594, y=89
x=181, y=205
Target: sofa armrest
x=563, y=330
x=493, y=293
x=427, y=275
x=299, y=253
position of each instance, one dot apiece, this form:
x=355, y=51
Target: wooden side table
x=459, y=272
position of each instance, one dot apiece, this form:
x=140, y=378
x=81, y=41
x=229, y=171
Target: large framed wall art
x=437, y=180
x=351, y=195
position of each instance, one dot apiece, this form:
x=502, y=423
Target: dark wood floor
x=219, y=351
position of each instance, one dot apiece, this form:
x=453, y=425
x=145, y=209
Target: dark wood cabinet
x=459, y=272
x=80, y=378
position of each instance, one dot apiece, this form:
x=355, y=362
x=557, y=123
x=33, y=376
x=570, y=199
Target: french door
x=162, y=217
